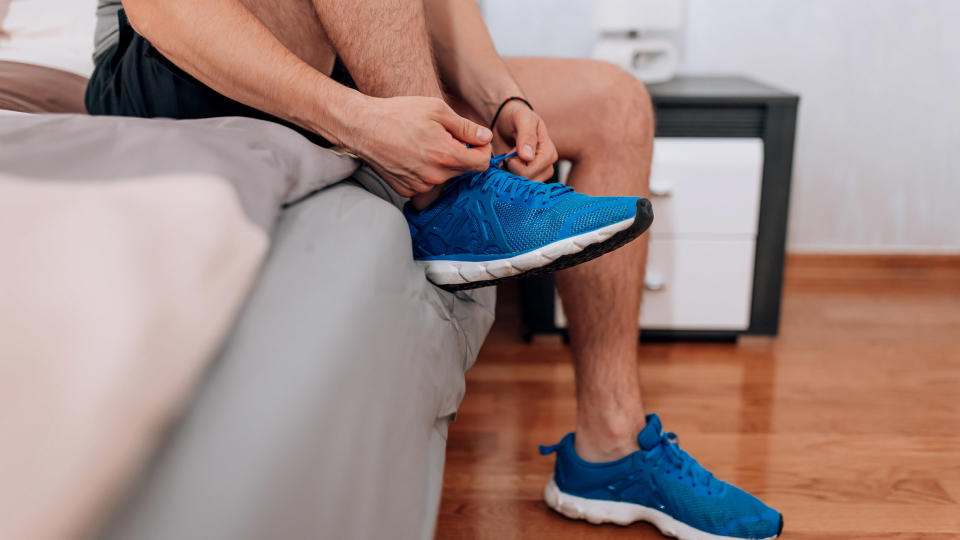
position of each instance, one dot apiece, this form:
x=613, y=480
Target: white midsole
x=621, y=513
x=447, y=272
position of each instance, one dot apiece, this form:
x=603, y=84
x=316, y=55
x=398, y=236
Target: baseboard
x=873, y=259
x=822, y=249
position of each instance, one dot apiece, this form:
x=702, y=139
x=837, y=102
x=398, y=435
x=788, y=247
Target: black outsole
x=640, y=224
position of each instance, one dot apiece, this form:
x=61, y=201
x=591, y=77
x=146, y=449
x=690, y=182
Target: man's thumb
x=527, y=138
x=466, y=131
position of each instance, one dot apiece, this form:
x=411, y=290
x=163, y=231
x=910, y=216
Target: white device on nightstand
x=635, y=35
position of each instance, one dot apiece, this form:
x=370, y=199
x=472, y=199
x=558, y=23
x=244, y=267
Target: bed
x=211, y=329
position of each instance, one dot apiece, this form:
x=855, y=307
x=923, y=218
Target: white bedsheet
x=52, y=33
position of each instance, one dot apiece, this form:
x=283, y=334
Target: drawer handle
x=661, y=188
x=654, y=282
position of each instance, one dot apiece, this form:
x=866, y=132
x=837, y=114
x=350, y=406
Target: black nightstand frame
x=716, y=107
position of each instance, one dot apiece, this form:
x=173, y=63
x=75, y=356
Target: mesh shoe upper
x=662, y=476
x=489, y=215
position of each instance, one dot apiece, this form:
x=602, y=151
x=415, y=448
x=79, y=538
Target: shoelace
x=668, y=455
x=516, y=187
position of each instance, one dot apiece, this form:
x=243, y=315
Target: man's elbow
x=142, y=15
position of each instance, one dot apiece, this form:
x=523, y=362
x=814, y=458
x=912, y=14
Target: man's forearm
x=222, y=44
x=467, y=58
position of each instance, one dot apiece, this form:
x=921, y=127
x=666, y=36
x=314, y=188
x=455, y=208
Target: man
x=367, y=75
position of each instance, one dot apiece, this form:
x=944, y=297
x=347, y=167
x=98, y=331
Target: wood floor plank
x=848, y=422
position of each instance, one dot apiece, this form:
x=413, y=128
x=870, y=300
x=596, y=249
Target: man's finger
x=464, y=130
x=402, y=188
x=544, y=175
x=471, y=159
x=533, y=170
x=546, y=156
x=541, y=167
x=545, y=145
x=527, y=136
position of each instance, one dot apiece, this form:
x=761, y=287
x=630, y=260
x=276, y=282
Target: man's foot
x=491, y=226
x=660, y=484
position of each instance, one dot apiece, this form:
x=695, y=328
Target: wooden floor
x=848, y=422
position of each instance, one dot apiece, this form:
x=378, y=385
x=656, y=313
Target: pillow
x=39, y=89
x=101, y=352
x=52, y=33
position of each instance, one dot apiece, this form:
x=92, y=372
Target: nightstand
x=720, y=187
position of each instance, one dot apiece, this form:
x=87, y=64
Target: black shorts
x=133, y=79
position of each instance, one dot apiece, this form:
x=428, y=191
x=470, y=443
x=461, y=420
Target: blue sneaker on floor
x=660, y=484
x=491, y=226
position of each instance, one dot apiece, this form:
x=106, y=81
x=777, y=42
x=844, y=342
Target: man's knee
x=624, y=112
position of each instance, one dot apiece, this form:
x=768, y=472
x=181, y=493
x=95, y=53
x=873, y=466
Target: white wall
x=877, y=164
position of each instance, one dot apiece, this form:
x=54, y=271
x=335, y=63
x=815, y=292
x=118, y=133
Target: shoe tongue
x=651, y=434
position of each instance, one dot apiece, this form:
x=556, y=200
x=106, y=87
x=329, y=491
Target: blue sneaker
x=491, y=226
x=660, y=484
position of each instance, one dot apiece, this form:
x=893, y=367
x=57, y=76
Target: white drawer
x=706, y=186
x=695, y=284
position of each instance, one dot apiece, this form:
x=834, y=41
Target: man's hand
x=519, y=127
x=416, y=143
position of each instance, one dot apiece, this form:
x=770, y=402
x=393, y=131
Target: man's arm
x=467, y=59
x=222, y=44
x=470, y=66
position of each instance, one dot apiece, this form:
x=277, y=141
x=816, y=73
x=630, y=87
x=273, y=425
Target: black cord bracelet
x=504, y=104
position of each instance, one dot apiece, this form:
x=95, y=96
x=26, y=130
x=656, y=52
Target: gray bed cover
x=325, y=414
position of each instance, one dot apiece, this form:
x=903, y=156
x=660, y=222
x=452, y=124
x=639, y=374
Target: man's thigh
x=583, y=102
x=135, y=79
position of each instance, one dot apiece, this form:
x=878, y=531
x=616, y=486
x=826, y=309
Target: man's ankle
x=608, y=440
